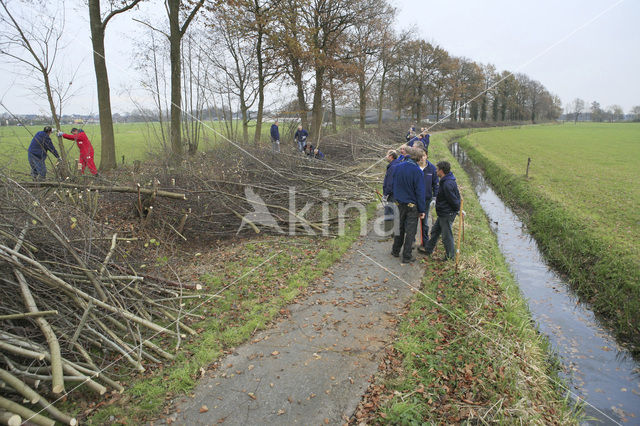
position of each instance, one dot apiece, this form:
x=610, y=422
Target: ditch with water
x=596, y=369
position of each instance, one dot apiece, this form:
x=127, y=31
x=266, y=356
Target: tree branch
x=118, y=11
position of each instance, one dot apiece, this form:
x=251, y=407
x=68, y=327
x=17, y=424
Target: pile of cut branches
x=76, y=313
x=228, y=188
x=71, y=307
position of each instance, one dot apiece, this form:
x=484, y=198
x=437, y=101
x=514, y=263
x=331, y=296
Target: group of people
x=300, y=140
x=411, y=184
x=423, y=137
x=41, y=144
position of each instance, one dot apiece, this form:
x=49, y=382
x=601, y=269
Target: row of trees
x=599, y=114
x=257, y=55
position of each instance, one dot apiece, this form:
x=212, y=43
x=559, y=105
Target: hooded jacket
x=448, y=199
x=275, y=133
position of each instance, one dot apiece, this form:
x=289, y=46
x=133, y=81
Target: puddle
x=596, y=368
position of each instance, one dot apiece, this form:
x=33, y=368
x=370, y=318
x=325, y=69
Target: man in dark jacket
x=37, y=153
x=275, y=137
x=447, y=207
x=387, y=187
x=431, y=191
x=301, y=138
x=409, y=193
x=387, y=184
x=423, y=138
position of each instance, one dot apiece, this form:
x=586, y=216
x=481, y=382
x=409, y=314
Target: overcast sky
x=587, y=48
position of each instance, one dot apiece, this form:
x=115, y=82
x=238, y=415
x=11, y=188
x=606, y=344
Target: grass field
x=581, y=198
x=134, y=141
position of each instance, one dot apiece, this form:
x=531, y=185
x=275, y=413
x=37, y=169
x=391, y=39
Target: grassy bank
x=582, y=216
x=466, y=349
x=255, y=280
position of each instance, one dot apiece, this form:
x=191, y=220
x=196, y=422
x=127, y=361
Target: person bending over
x=37, y=153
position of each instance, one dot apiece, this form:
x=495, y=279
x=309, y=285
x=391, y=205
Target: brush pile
x=71, y=306
x=77, y=314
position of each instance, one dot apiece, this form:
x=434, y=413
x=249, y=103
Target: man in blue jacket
x=301, y=138
x=387, y=187
x=431, y=191
x=275, y=137
x=447, y=207
x=409, y=193
x=37, y=153
x=423, y=138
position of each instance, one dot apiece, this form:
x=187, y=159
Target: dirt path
x=313, y=366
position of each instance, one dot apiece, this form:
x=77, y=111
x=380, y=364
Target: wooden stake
x=459, y=233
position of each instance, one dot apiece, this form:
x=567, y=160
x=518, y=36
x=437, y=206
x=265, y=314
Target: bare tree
x=327, y=20
x=290, y=36
x=389, y=56
x=36, y=45
x=98, y=25
x=577, y=108
x=366, y=40
x=174, y=9
x=233, y=57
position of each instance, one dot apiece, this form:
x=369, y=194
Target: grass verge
x=467, y=350
x=249, y=305
x=605, y=275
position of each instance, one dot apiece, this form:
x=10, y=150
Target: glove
x=59, y=133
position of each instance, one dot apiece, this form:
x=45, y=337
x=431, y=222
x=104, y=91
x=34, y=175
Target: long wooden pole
x=459, y=233
x=146, y=191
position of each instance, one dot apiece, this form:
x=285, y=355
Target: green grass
x=134, y=141
x=466, y=348
x=249, y=305
x=580, y=203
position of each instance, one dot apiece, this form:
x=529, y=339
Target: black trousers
x=408, y=227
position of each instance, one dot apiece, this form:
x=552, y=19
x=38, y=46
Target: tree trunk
x=334, y=117
x=245, y=118
x=107, y=142
x=381, y=95
x=362, y=90
x=419, y=106
x=63, y=152
x=257, y=135
x=316, y=115
x=302, y=103
x=175, y=36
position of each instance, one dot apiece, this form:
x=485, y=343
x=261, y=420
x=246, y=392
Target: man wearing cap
x=85, y=147
x=37, y=153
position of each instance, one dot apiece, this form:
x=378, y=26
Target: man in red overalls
x=85, y=147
